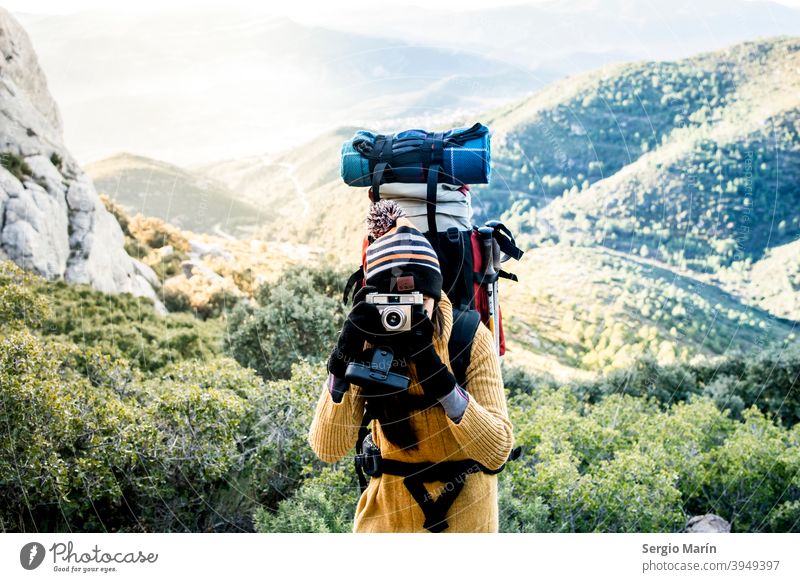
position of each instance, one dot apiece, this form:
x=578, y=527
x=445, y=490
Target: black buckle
x=369, y=459
x=381, y=363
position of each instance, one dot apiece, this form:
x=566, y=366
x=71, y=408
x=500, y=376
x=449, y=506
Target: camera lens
x=393, y=319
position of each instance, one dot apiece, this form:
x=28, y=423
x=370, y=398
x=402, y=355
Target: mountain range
x=193, y=86
x=182, y=198
x=657, y=202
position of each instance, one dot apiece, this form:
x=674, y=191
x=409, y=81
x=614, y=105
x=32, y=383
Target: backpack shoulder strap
x=465, y=324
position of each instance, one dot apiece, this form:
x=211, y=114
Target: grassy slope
x=592, y=308
x=301, y=195
x=773, y=283
x=185, y=199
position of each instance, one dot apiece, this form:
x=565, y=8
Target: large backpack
x=452, y=157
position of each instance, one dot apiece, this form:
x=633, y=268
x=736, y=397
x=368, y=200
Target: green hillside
x=699, y=170
x=300, y=194
x=704, y=202
x=773, y=283
x=585, y=128
x=591, y=309
x=180, y=197
x=589, y=127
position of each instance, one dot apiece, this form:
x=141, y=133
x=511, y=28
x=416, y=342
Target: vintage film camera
x=377, y=377
x=395, y=308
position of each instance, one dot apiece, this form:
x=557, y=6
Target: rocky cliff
x=51, y=218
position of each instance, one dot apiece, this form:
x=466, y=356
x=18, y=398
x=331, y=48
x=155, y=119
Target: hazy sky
x=300, y=9
x=266, y=86
x=310, y=11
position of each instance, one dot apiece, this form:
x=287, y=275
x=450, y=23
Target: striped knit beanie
x=401, y=259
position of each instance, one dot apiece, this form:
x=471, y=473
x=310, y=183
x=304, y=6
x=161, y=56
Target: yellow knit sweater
x=484, y=434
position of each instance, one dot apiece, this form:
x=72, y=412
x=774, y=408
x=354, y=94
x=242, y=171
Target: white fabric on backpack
x=453, y=208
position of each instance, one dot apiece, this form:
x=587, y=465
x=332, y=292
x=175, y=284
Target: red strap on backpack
x=482, y=294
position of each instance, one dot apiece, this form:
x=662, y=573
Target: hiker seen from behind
x=435, y=443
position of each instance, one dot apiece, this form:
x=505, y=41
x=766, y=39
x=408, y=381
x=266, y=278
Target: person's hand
x=420, y=336
x=417, y=344
x=363, y=323
x=409, y=343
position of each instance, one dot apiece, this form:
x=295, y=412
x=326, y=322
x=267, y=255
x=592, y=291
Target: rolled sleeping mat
x=453, y=207
x=463, y=153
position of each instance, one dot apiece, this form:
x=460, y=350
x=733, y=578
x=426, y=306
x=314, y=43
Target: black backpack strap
x=505, y=239
x=507, y=275
x=433, y=180
x=350, y=287
x=433, y=159
x=363, y=431
x=435, y=512
x=465, y=324
x=467, y=264
x=377, y=176
x=415, y=475
x=382, y=155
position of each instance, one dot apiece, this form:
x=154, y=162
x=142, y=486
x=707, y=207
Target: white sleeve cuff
x=455, y=403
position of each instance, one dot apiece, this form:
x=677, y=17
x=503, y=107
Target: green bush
x=521, y=511
x=325, y=503
x=520, y=381
x=68, y=446
x=299, y=317
x=16, y=165
x=107, y=434
x=56, y=160
x=623, y=464
x=127, y=326
x=767, y=379
x=21, y=304
x=282, y=457
x=93, y=446
x=753, y=473
x=201, y=420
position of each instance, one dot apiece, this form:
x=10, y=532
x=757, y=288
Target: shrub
x=68, y=446
x=56, y=160
x=299, y=317
x=125, y=326
x=16, y=165
x=107, y=431
x=768, y=380
x=20, y=302
x=624, y=464
x=198, y=453
x=521, y=381
x=204, y=295
x=155, y=233
x=325, y=503
x=748, y=475
x=279, y=438
x=520, y=512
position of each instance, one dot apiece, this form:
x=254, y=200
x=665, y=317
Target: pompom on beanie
x=401, y=259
